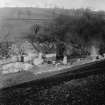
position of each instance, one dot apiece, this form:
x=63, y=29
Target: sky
x=93, y=4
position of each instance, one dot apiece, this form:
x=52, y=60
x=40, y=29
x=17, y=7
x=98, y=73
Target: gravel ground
x=84, y=91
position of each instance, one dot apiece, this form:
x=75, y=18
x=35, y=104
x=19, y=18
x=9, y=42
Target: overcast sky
x=93, y=4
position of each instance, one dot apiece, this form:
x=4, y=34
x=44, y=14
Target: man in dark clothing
x=60, y=51
x=22, y=58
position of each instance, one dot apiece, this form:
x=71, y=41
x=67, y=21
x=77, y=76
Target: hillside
x=14, y=22
x=17, y=21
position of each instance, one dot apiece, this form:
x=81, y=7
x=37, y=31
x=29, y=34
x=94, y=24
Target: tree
x=5, y=46
x=80, y=31
x=32, y=36
x=91, y=29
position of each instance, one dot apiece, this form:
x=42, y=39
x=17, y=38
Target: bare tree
x=32, y=36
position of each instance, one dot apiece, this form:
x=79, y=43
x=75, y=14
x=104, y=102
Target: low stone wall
x=16, y=67
x=6, y=61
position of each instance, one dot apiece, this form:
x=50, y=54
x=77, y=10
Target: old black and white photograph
x=52, y=52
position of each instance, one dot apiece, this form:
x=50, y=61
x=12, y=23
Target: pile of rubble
x=24, y=63
x=20, y=63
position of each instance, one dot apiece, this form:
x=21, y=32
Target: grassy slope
x=85, y=91
x=12, y=23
